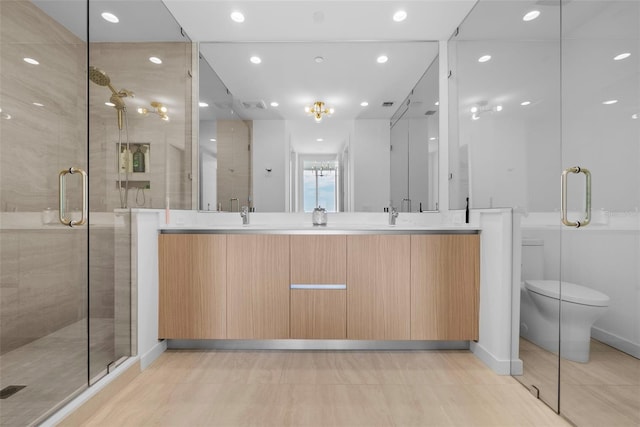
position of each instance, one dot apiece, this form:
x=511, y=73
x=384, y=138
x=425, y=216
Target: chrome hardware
x=61, y=196
x=393, y=214
x=244, y=213
x=318, y=286
x=587, y=218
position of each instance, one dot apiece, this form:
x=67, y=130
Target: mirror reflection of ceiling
x=290, y=76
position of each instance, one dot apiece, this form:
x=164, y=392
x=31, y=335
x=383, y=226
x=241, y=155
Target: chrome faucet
x=244, y=213
x=393, y=214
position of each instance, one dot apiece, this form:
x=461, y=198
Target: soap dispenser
x=138, y=160
x=319, y=216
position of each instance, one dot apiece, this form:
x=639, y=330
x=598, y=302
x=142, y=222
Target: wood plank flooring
x=322, y=388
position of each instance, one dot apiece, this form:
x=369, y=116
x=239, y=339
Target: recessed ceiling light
x=382, y=59
x=319, y=139
x=237, y=16
x=109, y=104
x=110, y=17
x=319, y=59
x=155, y=60
x=212, y=140
x=437, y=103
x=622, y=56
x=610, y=102
x=525, y=103
x=433, y=138
x=202, y=104
x=474, y=109
x=364, y=103
x=484, y=58
x=274, y=104
x=30, y=61
x=400, y=16
x=634, y=116
x=498, y=107
x=37, y=104
x=530, y=16
x=255, y=59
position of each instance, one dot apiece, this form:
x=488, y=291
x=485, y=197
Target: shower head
x=100, y=78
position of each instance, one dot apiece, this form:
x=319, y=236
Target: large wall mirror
x=374, y=144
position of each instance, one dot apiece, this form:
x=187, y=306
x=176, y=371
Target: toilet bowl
x=580, y=307
x=541, y=307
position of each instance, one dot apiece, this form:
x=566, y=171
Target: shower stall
x=67, y=304
x=544, y=121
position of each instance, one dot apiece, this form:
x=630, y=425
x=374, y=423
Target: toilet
x=539, y=308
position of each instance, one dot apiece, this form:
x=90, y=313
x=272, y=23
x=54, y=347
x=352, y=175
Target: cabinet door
x=258, y=286
x=318, y=261
x=192, y=294
x=445, y=285
x=378, y=288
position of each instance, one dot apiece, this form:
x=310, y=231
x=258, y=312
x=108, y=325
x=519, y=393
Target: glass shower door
x=600, y=325
x=43, y=263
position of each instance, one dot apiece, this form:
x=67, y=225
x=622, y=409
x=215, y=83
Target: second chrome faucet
x=393, y=214
x=244, y=214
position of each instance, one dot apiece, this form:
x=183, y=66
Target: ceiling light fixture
x=634, y=116
x=274, y=104
x=110, y=17
x=382, y=59
x=158, y=108
x=364, y=103
x=621, y=56
x=30, y=61
x=237, y=17
x=530, y=16
x=155, y=60
x=610, y=102
x=202, y=104
x=484, y=58
x=319, y=139
x=37, y=104
x=437, y=103
x=400, y=16
x=525, y=103
x=212, y=140
x=255, y=59
x=483, y=107
x=319, y=59
x=317, y=110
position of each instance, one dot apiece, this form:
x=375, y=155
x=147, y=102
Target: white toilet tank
x=532, y=259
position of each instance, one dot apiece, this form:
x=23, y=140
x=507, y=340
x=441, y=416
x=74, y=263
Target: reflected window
x=320, y=185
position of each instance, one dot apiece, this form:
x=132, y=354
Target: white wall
x=269, y=152
x=371, y=165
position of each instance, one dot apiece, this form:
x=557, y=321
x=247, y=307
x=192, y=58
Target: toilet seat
x=570, y=292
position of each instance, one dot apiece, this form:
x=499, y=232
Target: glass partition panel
x=505, y=152
x=43, y=263
x=600, y=327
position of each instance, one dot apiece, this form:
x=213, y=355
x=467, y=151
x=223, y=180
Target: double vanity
x=302, y=282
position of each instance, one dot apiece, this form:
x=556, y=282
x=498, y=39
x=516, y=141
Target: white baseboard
x=150, y=356
x=616, y=341
x=500, y=367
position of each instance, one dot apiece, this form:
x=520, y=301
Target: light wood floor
x=286, y=388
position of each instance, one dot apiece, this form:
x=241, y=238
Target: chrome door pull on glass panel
x=61, y=195
x=587, y=215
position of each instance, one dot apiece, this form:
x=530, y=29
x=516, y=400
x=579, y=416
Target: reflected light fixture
x=237, y=17
x=530, y=16
x=202, y=104
x=317, y=110
x=110, y=17
x=400, y=16
x=30, y=61
x=484, y=58
x=155, y=60
x=157, y=108
x=621, y=56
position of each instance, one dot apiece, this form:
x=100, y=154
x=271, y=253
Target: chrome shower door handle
x=587, y=215
x=62, y=177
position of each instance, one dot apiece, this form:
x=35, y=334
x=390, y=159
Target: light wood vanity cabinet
x=445, y=286
x=257, y=286
x=320, y=262
x=193, y=284
x=398, y=287
x=378, y=287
